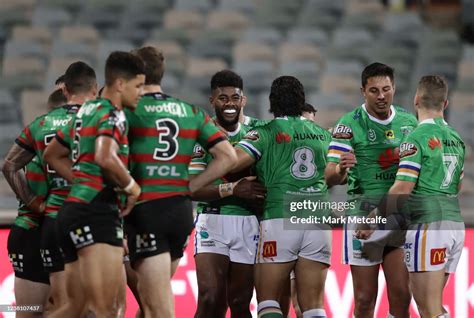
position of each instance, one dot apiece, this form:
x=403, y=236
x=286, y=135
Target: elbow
x=7, y=167
x=102, y=160
x=232, y=159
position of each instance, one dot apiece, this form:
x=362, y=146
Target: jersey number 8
x=303, y=166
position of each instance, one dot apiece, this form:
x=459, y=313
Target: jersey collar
x=235, y=132
x=382, y=122
x=246, y=120
x=432, y=121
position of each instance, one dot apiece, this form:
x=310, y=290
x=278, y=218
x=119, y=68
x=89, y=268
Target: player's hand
x=249, y=188
x=346, y=161
x=132, y=197
x=37, y=205
x=363, y=232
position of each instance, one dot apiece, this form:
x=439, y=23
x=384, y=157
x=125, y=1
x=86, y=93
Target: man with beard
x=226, y=228
x=364, y=154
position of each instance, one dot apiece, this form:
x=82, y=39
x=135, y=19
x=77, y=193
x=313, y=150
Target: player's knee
x=364, y=302
x=210, y=298
x=239, y=302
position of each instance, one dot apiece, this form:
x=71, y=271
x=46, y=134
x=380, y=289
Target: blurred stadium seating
x=325, y=43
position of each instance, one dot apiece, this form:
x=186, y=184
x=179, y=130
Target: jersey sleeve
x=342, y=139
x=26, y=138
x=64, y=135
x=112, y=124
x=198, y=161
x=208, y=135
x=410, y=160
x=253, y=143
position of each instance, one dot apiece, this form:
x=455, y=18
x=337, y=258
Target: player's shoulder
x=404, y=114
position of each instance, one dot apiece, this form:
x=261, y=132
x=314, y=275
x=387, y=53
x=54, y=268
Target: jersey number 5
x=168, y=145
x=303, y=166
x=76, y=150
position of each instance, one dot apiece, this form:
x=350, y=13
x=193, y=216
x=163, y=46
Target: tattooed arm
x=16, y=159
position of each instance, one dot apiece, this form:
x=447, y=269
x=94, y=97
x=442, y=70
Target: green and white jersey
x=252, y=122
x=375, y=144
x=432, y=156
x=229, y=205
x=290, y=154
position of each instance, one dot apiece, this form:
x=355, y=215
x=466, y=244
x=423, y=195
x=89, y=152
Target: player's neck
x=77, y=100
x=113, y=96
x=242, y=117
x=429, y=114
x=229, y=128
x=380, y=116
x=152, y=89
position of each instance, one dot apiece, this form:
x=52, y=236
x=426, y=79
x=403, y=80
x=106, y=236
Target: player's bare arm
x=114, y=170
x=224, y=160
x=246, y=188
x=336, y=173
x=16, y=159
x=57, y=156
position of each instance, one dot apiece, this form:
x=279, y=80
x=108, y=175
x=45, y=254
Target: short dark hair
x=122, y=64
x=154, y=64
x=376, y=69
x=60, y=80
x=307, y=107
x=286, y=96
x=226, y=78
x=79, y=78
x=56, y=99
x=432, y=91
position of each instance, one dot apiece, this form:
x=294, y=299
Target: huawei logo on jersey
x=389, y=158
x=282, y=137
x=434, y=143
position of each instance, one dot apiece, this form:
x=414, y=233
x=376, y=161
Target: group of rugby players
x=110, y=178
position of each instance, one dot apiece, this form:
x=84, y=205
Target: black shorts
x=50, y=252
x=159, y=226
x=24, y=253
x=80, y=225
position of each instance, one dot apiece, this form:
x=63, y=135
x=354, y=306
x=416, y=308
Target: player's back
x=291, y=157
x=163, y=132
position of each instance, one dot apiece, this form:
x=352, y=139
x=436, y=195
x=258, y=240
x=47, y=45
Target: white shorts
x=434, y=246
x=280, y=245
x=235, y=236
x=368, y=252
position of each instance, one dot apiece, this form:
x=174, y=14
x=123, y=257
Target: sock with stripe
x=389, y=315
x=269, y=309
x=315, y=313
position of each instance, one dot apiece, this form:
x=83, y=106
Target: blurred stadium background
x=325, y=43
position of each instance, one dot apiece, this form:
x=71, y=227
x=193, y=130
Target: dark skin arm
x=106, y=157
x=16, y=159
x=57, y=156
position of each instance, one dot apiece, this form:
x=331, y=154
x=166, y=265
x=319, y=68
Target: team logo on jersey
x=269, y=249
x=407, y=149
x=310, y=189
x=342, y=132
x=434, y=142
x=117, y=118
x=437, y=256
x=389, y=158
x=389, y=134
x=282, y=137
x=406, y=130
x=198, y=152
x=371, y=135
x=252, y=135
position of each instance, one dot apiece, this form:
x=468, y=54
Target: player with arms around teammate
x=431, y=171
x=163, y=132
x=364, y=153
x=89, y=226
x=80, y=85
x=226, y=228
x=289, y=154
x=31, y=281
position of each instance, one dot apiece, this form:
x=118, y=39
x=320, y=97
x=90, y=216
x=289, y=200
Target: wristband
x=129, y=186
x=226, y=189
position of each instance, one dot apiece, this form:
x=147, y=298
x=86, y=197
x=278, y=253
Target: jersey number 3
x=303, y=166
x=168, y=145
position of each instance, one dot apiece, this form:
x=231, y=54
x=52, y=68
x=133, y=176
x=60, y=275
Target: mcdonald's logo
x=269, y=249
x=437, y=256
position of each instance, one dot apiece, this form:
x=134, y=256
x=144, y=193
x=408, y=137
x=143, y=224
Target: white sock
x=389, y=315
x=268, y=306
x=315, y=313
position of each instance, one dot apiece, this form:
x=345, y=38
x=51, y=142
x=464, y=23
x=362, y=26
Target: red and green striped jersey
x=35, y=137
x=96, y=118
x=36, y=178
x=163, y=132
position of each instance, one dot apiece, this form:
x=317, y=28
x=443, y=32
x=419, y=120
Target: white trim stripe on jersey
x=251, y=148
x=336, y=149
x=409, y=169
